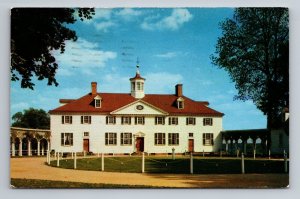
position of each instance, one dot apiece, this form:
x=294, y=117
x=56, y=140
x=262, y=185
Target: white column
x=102, y=161
x=13, y=149
x=75, y=160
x=57, y=162
x=38, y=147
x=191, y=163
x=243, y=164
x=20, y=148
x=143, y=162
x=29, y=148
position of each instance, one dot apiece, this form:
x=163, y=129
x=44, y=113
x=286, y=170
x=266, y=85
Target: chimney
x=94, y=88
x=178, y=90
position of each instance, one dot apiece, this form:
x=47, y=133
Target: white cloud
x=82, y=55
x=128, y=14
x=162, y=82
x=104, y=26
x=173, y=22
x=99, y=14
x=166, y=55
x=19, y=106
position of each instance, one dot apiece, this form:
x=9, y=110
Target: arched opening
x=34, y=146
x=43, y=146
x=24, y=146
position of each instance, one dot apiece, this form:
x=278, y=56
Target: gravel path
x=35, y=168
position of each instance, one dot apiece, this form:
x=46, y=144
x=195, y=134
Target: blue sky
x=173, y=46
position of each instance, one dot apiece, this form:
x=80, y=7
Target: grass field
x=43, y=184
x=180, y=165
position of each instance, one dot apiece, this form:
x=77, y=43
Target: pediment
x=139, y=107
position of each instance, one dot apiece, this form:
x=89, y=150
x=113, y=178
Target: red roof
x=114, y=101
x=137, y=76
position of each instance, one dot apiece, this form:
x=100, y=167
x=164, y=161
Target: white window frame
x=159, y=120
x=207, y=121
x=126, y=120
x=159, y=139
x=66, y=119
x=110, y=119
x=139, y=120
x=173, y=139
x=97, y=103
x=190, y=121
x=126, y=139
x=208, y=139
x=86, y=119
x=66, y=139
x=173, y=120
x=110, y=139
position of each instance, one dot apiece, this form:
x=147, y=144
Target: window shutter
x=135, y=120
x=169, y=121
x=155, y=120
x=71, y=117
x=122, y=138
x=176, y=121
x=114, y=119
x=211, y=122
x=187, y=121
x=143, y=120
x=62, y=139
x=81, y=119
x=106, y=119
x=203, y=140
x=163, y=120
x=62, y=119
x=90, y=119
x=129, y=120
x=203, y=121
x=122, y=120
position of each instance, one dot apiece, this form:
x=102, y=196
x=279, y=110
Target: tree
x=253, y=49
x=35, y=32
x=31, y=118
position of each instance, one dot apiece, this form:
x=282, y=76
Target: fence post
x=285, y=162
x=143, y=162
x=243, y=164
x=254, y=154
x=173, y=153
x=191, y=163
x=75, y=160
x=102, y=161
x=57, y=162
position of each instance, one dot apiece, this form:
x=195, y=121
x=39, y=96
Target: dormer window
x=97, y=101
x=180, y=103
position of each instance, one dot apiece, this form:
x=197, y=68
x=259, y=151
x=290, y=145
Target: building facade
x=134, y=122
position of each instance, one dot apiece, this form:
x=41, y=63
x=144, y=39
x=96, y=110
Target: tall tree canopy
x=31, y=118
x=35, y=32
x=254, y=50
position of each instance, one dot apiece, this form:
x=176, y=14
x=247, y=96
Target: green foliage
x=31, y=118
x=254, y=50
x=35, y=32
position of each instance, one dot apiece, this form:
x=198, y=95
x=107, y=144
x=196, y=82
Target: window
x=126, y=138
x=139, y=120
x=126, y=120
x=66, y=139
x=86, y=119
x=97, y=103
x=86, y=134
x=110, y=138
x=180, y=103
x=208, y=139
x=132, y=86
x=160, y=120
x=160, y=138
x=140, y=86
x=191, y=135
x=66, y=119
x=173, y=138
x=110, y=120
x=190, y=121
x=173, y=120
x=207, y=121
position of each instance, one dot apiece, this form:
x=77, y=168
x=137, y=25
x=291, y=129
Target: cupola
x=137, y=85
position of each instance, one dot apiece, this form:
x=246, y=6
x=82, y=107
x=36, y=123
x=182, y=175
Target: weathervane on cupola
x=137, y=83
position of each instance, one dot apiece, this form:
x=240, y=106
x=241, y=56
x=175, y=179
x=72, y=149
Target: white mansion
x=135, y=122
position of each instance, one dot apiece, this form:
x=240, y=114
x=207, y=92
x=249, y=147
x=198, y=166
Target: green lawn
x=180, y=165
x=42, y=184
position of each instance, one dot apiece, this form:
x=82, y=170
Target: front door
x=191, y=145
x=86, y=145
x=139, y=144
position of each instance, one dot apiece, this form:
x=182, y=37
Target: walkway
x=35, y=168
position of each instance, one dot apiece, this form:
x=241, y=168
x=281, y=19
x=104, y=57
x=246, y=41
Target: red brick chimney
x=94, y=88
x=178, y=90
